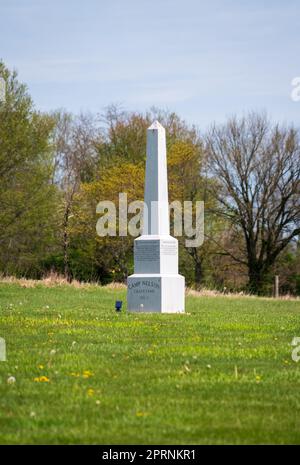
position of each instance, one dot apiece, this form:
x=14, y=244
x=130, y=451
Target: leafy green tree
x=108, y=258
x=27, y=198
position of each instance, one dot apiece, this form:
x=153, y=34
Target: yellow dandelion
x=42, y=379
x=90, y=392
x=87, y=374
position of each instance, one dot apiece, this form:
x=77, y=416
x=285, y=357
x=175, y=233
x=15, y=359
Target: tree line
x=55, y=167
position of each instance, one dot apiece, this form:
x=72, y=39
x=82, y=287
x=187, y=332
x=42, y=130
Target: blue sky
x=205, y=60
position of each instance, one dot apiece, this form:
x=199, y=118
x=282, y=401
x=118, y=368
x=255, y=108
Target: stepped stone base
x=160, y=293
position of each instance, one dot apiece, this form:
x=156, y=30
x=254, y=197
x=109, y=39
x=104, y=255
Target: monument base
x=162, y=293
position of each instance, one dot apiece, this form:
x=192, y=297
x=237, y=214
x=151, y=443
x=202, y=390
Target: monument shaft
x=156, y=221
x=156, y=285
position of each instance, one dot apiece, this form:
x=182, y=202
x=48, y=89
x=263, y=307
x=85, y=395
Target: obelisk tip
x=156, y=125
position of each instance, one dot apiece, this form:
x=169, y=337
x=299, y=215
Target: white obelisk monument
x=156, y=285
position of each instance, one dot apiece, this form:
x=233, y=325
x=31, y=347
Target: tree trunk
x=198, y=274
x=256, y=279
x=66, y=245
x=276, y=286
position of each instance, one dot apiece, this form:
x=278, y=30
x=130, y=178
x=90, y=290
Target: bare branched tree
x=75, y=161
x=257, y=166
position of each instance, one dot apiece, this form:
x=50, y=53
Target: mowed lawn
x=221, y=374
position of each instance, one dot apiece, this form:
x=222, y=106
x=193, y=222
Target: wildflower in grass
x=236, y=372
x=40, y=367
x=32, y=414
x=258, y=378
x=141, y=414
x=52, y=352
x=98, y=402
x=41, y=379
x=11, y=380
x=90, y=392
x=87, y=374
x=187, y=369
x=208, y=366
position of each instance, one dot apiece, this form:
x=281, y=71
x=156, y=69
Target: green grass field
x=221, y=374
